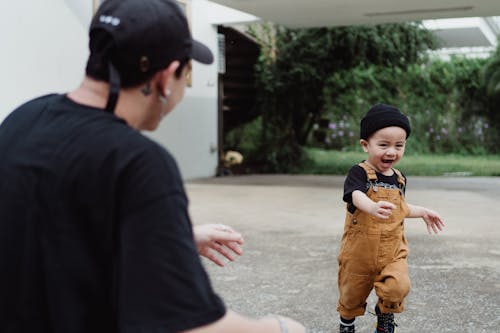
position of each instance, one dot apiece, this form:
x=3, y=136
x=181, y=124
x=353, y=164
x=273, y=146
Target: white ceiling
x=462, y=37
x=317, y=13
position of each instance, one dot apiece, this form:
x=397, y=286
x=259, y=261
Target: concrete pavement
x=292, y=227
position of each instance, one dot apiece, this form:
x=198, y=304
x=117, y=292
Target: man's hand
x=213, y=240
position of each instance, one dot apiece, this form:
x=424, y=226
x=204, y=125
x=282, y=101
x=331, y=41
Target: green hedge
x=314, y=85
x=444, y=100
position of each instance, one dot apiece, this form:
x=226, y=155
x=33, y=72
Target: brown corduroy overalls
x=373, y=254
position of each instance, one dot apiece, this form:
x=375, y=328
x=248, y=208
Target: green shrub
x=443, y=99
x=246, y=139
x=293, y=68
x=315, y=85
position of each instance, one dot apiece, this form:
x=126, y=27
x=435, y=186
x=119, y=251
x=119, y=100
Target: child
x=374, y=248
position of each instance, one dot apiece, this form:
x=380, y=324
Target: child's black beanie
x=380, y=116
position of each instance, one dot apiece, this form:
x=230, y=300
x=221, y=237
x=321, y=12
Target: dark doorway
x=237, y=91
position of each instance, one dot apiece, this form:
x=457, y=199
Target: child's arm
x=380, y=209
x=430, y=217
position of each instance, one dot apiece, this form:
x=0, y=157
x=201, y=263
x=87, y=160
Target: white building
x=467, y=27
x=466, y=36
x=44, y=50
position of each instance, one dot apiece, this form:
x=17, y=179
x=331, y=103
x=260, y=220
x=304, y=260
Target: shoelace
x=386, y=322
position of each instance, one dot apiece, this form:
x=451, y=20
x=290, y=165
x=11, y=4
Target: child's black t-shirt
x=357, y=180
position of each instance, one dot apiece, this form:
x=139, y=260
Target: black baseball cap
x=130, y=40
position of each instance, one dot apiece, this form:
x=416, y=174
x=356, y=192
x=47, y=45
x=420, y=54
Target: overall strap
x=370, y=172
x=401, y=178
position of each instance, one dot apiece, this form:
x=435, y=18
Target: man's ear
x=166, y=76
x=364, y=145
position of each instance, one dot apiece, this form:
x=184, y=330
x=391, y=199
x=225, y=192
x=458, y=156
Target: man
x=94, y=228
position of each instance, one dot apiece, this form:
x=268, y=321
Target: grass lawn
x=338, y=163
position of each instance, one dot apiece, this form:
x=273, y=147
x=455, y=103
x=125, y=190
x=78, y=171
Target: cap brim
x=201, y=53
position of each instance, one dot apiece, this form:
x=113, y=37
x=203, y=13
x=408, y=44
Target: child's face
x=385, y=148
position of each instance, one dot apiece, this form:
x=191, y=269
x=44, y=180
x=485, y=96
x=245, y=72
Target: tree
x=296, y=63
x=492, y=89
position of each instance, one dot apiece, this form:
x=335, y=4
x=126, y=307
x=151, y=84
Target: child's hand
x=382, y=209
x=433, y=221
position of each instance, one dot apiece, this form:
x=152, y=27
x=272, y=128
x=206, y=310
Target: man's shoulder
x=40, y=100
x=35, y=104
x=39, y=103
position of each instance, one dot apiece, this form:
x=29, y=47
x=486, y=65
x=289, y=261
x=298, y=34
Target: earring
x=164, y=99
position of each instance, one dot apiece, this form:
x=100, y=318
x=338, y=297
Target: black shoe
x=385, y=323
x=347, y=329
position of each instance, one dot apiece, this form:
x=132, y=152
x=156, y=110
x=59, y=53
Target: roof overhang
x=319, y=13
x=464, y=32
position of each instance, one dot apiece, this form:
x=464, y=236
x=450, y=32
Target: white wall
x=43, y=50
x=220, y=14
x=190, y=131
x=82, y=9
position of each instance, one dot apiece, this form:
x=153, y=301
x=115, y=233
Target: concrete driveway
x=293, y=225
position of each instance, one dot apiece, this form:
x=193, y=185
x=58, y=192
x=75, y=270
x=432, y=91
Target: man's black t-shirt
x=94, y=228
x=357, y=180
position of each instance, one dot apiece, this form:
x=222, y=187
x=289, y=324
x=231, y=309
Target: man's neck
x=91, y=93
x=95, y=93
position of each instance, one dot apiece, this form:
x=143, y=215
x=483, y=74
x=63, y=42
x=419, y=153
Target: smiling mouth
x=388, y=161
